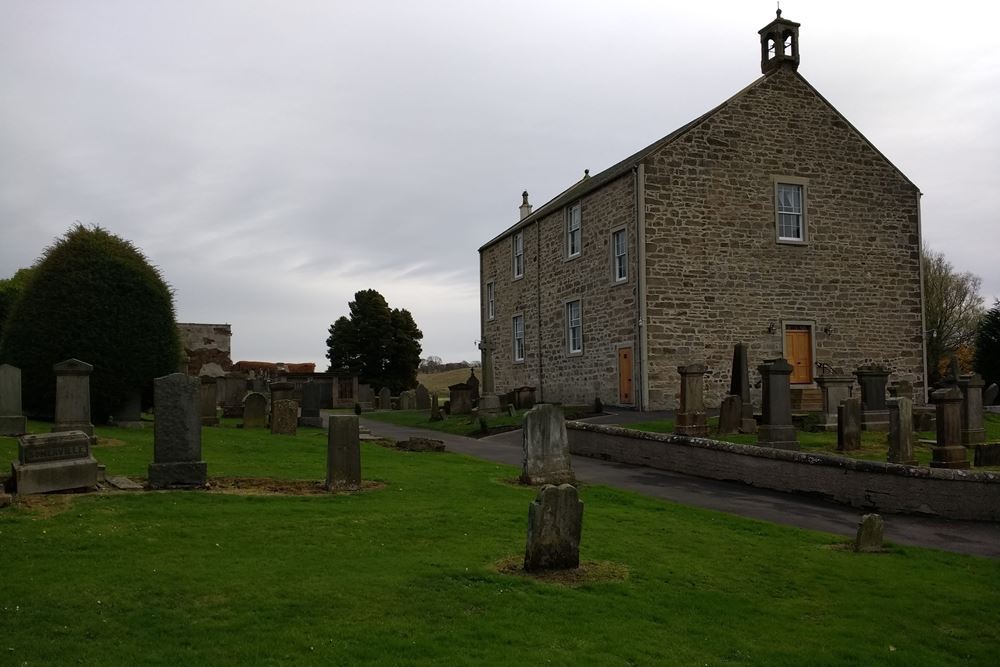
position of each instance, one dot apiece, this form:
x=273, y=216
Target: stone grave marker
x=384, y=399
x=366, y=398
x=129, y=413
x=343, y=453
x=209, y=399
x=546, y=458
x=232, y=389
x=489, y=405
x=973, y=428
x=730, y=414
x=740, y=386
x=284, y=416
x=281, y=390
x=53, y=462
x=460, y=398
x=901, y=431
x=177, y=433
x=901, y=389
x=948, y=451
x=310, y=405
x=835, y=389
x=874, y=412
x=255, y=410
x=423, y=398
x=990, y=395
x=12, y=420
x=73, y=397
x=555, y=523
x=473, y=384
x=436, y=415
x=849, y=425
x=407, y=400
x=986, y=455
x=776, y=428
x=691, y=419
x=870, y=531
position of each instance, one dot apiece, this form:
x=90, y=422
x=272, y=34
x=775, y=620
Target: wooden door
x=798, y=352
x=625, y=375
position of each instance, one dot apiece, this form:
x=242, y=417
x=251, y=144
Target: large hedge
x=93, y=296
x=987, y=360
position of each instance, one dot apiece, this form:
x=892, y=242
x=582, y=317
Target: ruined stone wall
x=206, y=344
x=717, y=275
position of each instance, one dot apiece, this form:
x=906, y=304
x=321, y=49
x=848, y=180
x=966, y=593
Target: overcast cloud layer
x=272, y=158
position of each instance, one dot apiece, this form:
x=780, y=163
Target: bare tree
x=952, y=308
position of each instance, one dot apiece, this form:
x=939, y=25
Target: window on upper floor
x=574, y=238
x=490, y=301
x=517, y=248
x=574, y=327
x=789, y=211
x=518, y=327
x=619, y=255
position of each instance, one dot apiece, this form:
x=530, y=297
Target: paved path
x=969, y=537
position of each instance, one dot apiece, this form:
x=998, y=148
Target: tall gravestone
x=973, y=428
x=489, y=402
x=555, y=524
x=310, y=405
x=408, y=400
x=177, y=459
x=284, y=416
x=776, y=429
x=73, y=397
x=12, y=420
x=849, y=425
x=871, y=529
x=460, y=399
x=730, y=414
x=435, y=409
x=53, y=462
x=255, y=410
x=546, y=458
x=232, y=389
x=874, y=412
x=423, y=398
x=901, y=431
x=366, y=398
x=129, y=413
x=740, y=386
x=209, y=400
x=834, y=389
x=473, y=384
x=948, y=451
x=691, y=418
x=343, y=453
x=384, y=399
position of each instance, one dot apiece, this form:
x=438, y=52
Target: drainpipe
x=923, y=313
x=538, y=308
x=640, y=283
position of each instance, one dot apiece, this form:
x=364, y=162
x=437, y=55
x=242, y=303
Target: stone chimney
x=525, y=206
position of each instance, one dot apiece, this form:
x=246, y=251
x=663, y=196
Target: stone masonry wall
x=717, y=275
x=206, y=344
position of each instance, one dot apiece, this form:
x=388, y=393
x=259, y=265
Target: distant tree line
x=434, y=364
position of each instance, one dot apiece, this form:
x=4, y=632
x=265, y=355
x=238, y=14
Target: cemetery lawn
x=405, y=575
x=467, y=425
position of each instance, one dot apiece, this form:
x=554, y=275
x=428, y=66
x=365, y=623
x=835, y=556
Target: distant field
x=439, y=382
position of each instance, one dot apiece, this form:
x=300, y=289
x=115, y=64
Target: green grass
x=454, y=424
x=403, y=575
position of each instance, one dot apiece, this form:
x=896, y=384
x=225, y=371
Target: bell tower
x=779, y=44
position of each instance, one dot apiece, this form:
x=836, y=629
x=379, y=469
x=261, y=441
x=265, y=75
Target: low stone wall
x=867, y=485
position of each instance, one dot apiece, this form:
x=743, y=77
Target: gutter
x=640, y=281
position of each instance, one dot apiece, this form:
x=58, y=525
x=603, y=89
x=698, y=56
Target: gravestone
x=740, y=386
x=730, y=414
x=232, y=389
x=281, y=390
x=489, y=402
x=986, y=455
x=870, y=531
x=489, y=405
x=177, y=433
x=408, y=400
x=53, y=462
x=691, y=418
x=423, y=398
x=524, y=397
x=849, y=425
x=874, y=412
x=545, y=447
x=948, y=451
x=901, y=431
x=776, y=429
x=310, y=405
x=835, y=389
x=990, y=395
x=460, y=397
x=129, y=413
x=284, y=416
x=555, y=523
x=12, y=420
x=901, y=389
x=343, y=453
x=255, y=410
x=366, y=398
x=209, y=401
x=973, y=429
x=511, y=410
x=435, y=409
x=384, y=399
x=73, y=397
x=473, y=384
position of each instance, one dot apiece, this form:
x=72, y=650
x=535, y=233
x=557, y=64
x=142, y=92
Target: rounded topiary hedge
x=93, y=296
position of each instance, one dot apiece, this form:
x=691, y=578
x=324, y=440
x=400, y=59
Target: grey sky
x=275, y=157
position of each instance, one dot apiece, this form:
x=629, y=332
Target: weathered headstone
x=870, y=531
x=473, y=384
x=948, y=451
x=53, y=462
x=691, y=419
x=901, y=389
x=310, y=405
x=177, y=433
x=555, y=523
x=435, y=409
x=524, y=397
x=255, y=410
x=489, y=405
x=874, y=413
x=776, y=428
x=730, y=414
x=973, y=429
x=901, y=431
x=986, y=455
x=408, y=400
x=546, y=457
x=511, y=410
x=12, y=420
x=232, y=389
x=834, y=388
x=740, y=386
x=366, y=398
x=209, y=401
x=460, y=397
x=423, y=397
x=73, y=397
x=284, y=416
x=281, y=390
x=990, y=395
x=849, y=425
x=129, y=413
x=384, y=399
x=343, y=453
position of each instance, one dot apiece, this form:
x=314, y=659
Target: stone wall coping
x=808, y=458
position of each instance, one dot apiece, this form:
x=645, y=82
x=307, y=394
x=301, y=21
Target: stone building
x=207, y=347
x=770, y=220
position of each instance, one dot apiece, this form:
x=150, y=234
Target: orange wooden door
x=798, y=351
x=625, y=375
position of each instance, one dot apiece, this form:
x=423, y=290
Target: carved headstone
x=310, y=405
x=12, y=420
x=870, y=531
x=408, y=400
x=343, y=453
x=232, y=389
x=209, y=401
x=973, y=429
x=460, y=398
x=948, y=451
x=849, y=425
x=546, y=458
x=473, y=384
x=730, y=414
x=435, y=409
x=423, y=397
x=901, y=431
x=255, y=410
x=990, y=395
x=53, y=462
x=776, y=428
x=740, y=386
x=73, y=397
x=366, y=398
x=177, y=433
x=691, y=418
x=874, y=413
x=489, y=405
x=284, y=416
x=835, y=389
x=555, y=523
x=384, y=399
